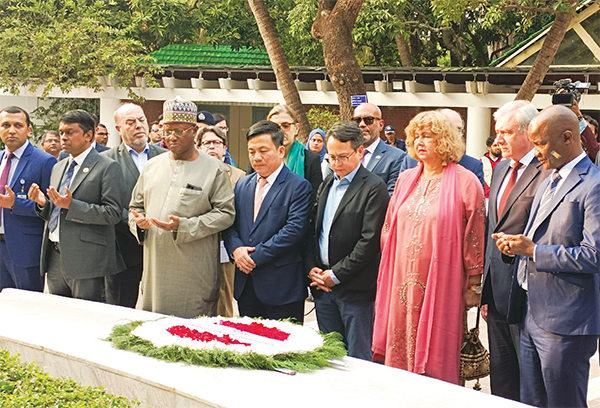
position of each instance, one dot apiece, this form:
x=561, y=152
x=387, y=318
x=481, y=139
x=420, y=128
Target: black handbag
x=474, y=358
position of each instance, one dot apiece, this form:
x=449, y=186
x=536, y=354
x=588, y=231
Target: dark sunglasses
x=368, y=120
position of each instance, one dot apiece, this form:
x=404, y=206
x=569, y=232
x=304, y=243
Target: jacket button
x=250, y=240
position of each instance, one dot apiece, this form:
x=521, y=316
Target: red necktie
x=4, y=176
x=509, y=187
x=260, y=186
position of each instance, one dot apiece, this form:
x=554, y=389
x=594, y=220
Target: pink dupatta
x=439, y=332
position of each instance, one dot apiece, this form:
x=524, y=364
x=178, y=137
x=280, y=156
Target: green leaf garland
x=333, y=348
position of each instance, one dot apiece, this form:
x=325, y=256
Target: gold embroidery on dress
x=416, y=304
x=473, y=241
x=403, y=347
x=414, y=248
x=426, y=191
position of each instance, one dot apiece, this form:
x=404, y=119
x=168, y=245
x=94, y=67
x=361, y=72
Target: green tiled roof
x=193, y=54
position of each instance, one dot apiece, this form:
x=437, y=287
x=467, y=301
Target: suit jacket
x=385, y=162
x=468, y=162
x=99, y=148
x=354, y=238
x=130, y=249
x=498, y=271
x=87, y=228
x=22, y=226
x=276, y=234
x=563, y=282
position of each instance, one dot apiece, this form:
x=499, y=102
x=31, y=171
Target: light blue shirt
x=140, y=159
x=336, y=193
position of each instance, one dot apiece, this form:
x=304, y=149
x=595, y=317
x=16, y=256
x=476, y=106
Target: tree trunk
x=540, y=67
x=280, y=65
x=403, y=51
x=333, y=25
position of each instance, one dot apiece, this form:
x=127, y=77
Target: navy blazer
x=22, y=226
x=498, y=271
x=468, y=162
x=385, y=162
x=563, y=282
x=276, y=234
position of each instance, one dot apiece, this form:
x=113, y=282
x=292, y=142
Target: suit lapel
x=524, y=181
x=126, y=158
x=85, y=169
x=322, y=201
x=57, y=173
x=20, y=166
x=353, y=189
x=376, y=156
x=270, y=197
x=152, y=151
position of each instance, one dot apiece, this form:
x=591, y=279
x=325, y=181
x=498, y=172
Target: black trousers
x=504, y=355
x=123, y=288
x=249, y=305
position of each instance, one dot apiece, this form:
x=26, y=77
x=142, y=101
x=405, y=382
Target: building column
x=108, y=106
x=479, y=122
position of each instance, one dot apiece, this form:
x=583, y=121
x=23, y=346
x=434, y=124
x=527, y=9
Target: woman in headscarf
x=432, y=254
x=316, y=144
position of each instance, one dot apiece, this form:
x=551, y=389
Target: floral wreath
x=231, y=342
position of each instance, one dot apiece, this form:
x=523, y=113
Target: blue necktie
x=539, y=217
x=62, y=190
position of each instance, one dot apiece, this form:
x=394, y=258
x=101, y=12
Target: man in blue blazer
x=21, y=229
x=271, y=217
x=557, y=268
x=379, y=158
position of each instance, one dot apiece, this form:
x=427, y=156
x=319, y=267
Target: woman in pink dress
x=432, y=254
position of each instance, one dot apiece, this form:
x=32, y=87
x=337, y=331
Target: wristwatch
x=476, y=288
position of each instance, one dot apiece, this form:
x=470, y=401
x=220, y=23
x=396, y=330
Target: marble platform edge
x=22, y=347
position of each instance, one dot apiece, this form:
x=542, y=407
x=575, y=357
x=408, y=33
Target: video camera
x=567, y=92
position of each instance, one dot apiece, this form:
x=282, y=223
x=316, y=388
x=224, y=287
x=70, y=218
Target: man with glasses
x=101, y=134
x=379, y=158
x=122, y=289
x=343, y=254
x=155, y=134
x=180, y=204
x=212, y=140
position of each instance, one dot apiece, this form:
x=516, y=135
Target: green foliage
x=323, y=117
x=26, y=385
x=332, y=348
x=65, y=44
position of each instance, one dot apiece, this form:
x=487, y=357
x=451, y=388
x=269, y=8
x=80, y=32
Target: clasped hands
x=63, y=201
x=146, y=222
x=321, y=279
x=512, y=245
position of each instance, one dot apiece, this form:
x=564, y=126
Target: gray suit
x=86, y=229
x=122, y=288
x=385, y=162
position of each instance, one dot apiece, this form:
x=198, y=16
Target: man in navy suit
x=379, y=158
x=468, y=162
x=514, y=184
x=271, y=217
x=557, y=267
x=21, y=229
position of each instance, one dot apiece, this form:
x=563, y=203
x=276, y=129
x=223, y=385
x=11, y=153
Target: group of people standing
x=393, y=258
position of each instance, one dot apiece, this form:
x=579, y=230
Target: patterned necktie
x=6, y=172
x=539, y=217
x=509, y=186
x=260, y=185
x=62, y=190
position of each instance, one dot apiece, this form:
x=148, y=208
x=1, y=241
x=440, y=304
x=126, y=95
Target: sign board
x=356, y=100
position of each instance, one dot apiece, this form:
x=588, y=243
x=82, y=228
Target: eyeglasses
x=341, y=159
x=285, y=126
x=176, y=132
x=367, y=119
x=223, y=128
x=215, y=143
x=101, y=134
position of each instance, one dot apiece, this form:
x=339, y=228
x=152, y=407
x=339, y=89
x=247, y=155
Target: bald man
x=555, y=294
x=468, y=162
x=379, y=158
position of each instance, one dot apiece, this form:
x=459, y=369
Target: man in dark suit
x=271, y=216
x=21, y=164
x=514, y=184
x=345, y=251
x=557, y=272
x=82, y=209
x=122, y=289
x=379, y=158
